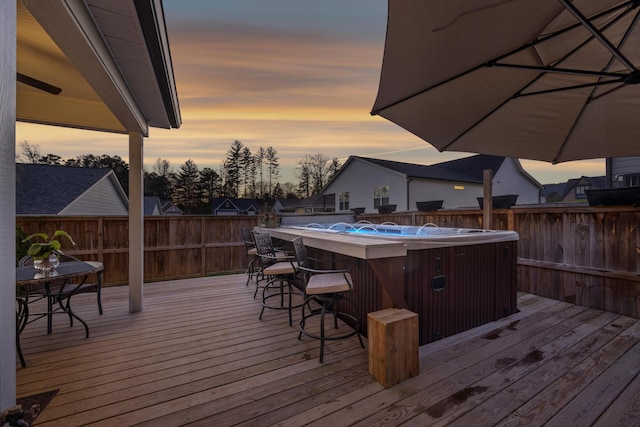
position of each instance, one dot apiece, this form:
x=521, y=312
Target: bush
x=21, y=247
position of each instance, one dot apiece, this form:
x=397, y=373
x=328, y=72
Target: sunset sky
x=298, y=75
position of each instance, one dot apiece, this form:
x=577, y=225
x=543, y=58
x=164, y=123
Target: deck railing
x=584, y=255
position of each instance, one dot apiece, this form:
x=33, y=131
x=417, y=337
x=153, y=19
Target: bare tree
x=303, y=172
x=30, y=153
x=319, y=168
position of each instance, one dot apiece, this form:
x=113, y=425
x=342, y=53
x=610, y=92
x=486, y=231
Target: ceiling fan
x=38, y=84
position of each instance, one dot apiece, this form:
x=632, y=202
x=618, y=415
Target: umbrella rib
x=559, y=70
x=598, y=35
x=591, y=97
x=564, y=30
x=561, y=89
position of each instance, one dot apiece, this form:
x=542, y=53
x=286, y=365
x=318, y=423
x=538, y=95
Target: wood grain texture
x=198, y=355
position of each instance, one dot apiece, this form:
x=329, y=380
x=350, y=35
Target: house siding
x=625, y=165
x=360, y=178
x=621, y=166
x=510, y=180
x=101, y=199
x=424, y=190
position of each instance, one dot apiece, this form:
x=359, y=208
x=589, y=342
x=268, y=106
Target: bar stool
x=276, y=267
x=326, y=288
x=252, y=269
x=276, y=254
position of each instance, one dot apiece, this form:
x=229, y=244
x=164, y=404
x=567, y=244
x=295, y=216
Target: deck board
x=198, y=355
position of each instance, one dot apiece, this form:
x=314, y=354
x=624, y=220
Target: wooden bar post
x=393, y=345
x=487, y=215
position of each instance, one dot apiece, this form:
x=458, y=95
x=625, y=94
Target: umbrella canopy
x=551, y=80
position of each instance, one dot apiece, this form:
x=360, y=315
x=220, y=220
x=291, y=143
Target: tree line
x=243, y=174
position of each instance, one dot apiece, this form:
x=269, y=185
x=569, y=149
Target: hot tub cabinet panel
x=452, y=289
x=459, y=288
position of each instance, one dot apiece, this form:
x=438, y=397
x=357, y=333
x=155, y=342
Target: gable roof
x=468, y=169
x=243, y=205
x=168, y=208
x=562, y=189
x=48, y=189
x=152, y=206
x=318, y=201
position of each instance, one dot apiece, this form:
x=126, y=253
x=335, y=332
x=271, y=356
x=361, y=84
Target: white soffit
x=38, y=56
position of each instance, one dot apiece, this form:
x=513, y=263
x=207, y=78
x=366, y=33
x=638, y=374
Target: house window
x=632, y=180
x=344, y=201
x=580, y=191
x=380, y=196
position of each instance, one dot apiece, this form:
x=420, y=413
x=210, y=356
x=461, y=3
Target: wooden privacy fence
x=174, y=247
x=584, y=255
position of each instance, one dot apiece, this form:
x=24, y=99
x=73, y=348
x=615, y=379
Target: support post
x=8, y=10
x=487, y=214
x=136, y=222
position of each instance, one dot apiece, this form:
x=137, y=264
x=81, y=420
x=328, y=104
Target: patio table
x=57, y=288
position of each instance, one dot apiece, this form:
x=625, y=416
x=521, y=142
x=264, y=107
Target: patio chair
x=325, y=288
x=276, y=268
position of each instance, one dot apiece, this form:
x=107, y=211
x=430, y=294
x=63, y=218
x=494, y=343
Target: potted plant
x=45, y=254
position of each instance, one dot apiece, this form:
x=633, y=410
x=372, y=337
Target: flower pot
x=47, y=265
x=431, y=205
x=614, y=196
x=358, y=211
x=500, y=202
x=385, y=209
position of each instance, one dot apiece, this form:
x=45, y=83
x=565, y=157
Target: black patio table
x=57, y=288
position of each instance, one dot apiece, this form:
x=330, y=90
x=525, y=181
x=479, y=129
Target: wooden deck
x=198, y=355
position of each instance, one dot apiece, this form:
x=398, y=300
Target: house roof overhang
x=110, y=58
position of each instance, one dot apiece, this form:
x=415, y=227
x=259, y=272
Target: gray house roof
x=152, y=206
x=223, y=205
x=169, y=208
x=317, y=201
x=468, y=169
x=48, y=189
x=563, y=189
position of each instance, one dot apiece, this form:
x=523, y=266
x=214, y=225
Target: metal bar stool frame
x=253, y=269
x=276, y=267
x=326, y=288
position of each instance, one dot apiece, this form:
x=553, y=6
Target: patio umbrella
x=552, y=80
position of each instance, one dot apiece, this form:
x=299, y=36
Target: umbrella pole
x=487, y=214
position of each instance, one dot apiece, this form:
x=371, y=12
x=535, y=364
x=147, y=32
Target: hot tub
x=454, y=278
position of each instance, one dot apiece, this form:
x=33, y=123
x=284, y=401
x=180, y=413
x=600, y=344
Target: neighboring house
x=368, y=183
x=623, y=172
x=152, y=206
x=285, y=205
x=572, y=190
x=313, y=204
x=234, y=206
x=169, y=208
x=68, y=191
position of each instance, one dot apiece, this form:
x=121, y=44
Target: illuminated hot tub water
x=427, y=235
